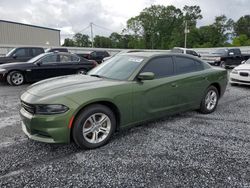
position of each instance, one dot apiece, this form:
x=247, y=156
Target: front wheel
x=15, y=78
x=223, y=64
x=209, y=101
x=94, y=126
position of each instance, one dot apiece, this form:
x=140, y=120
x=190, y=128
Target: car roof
x=157, y=54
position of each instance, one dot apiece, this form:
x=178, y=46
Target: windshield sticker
x=138, y=60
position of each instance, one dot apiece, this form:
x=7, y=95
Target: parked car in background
x=226, y=58
x=185, y=51
x=44, y=66
x=56, y=50
x=241, y=74
x=21, y=54
x=96, y=55
x=121, y=52
x=128, y=89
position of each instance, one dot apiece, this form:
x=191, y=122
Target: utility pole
x=92, y=39
x=186, y=31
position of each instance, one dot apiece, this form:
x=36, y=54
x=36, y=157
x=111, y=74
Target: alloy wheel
x=96, y=128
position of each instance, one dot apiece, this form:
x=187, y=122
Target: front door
x=157, y=97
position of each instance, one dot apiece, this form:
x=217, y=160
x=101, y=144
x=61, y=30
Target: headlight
x=217, y=59
x=234, y=71
x=3, y=70
x=51, y=109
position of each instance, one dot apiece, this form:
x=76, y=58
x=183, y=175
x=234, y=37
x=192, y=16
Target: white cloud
x=74, y=15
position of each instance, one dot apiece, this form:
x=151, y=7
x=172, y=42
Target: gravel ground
x=185, y=150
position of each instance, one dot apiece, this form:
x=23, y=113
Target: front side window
x=161, y=67
x=21, y=52
x=49, y=59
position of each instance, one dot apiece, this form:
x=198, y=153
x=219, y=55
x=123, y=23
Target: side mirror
x=199, y=55
x=231, y=53
x=38, y=63
x=243, y=62
x=14, y=56
x=146, y=76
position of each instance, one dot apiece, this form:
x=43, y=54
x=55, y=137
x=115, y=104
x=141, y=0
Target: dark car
x=56, y=50
x=95, y=55
x=44, y=66
x=226, y=58
x=21, y=54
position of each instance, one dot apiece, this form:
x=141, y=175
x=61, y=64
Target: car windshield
x=248, y=61
x=10, y=52
x=220, y=51
x=34, y=59
x=120, y=67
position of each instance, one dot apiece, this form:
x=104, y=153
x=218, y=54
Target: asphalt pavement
x=185, y=150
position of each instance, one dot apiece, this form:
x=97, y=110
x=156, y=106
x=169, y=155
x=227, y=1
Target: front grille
x=28, y=107
x=244, y=74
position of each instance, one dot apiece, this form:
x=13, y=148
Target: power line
x=102, y=27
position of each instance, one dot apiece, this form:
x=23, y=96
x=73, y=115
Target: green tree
x=242, y=26
x=102, y=42
x=81, y=40
x=68, y=42
x=241, y=40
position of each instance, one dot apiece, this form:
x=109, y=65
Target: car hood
x=64, y=85
x=243, y=66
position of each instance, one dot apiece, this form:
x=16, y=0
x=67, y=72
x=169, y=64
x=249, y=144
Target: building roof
x=29, y=25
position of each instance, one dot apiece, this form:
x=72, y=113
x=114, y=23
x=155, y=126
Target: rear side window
x=186, y=65
x=37, y=51
x=161, y=67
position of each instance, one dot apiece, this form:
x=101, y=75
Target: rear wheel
x=15, y=78
x=209, y=101
x=94, y=126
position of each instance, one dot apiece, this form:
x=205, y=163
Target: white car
x=241, y=74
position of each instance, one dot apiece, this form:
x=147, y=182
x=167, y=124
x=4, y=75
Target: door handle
x=174, y=85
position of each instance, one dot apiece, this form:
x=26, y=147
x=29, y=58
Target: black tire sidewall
x=203, y=108
x=82, y=117
x=9, y=80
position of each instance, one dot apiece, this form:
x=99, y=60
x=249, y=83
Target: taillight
x=94, y=63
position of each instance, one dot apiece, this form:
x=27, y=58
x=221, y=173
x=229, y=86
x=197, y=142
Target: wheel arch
x=106, y=103
x=217, y=86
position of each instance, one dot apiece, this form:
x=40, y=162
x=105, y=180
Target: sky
x=72, y=16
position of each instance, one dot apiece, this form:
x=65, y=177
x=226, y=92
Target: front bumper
x=237, y=79
x=46, y=128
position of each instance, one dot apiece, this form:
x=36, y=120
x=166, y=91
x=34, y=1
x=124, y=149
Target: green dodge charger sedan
x=126, y=90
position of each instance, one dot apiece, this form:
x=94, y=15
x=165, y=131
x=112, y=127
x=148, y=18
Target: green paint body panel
x=136, y=101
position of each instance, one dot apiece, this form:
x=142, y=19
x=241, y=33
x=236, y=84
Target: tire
x=81, y=71
x=97, y=133
x=223, y=65
x=15, y=78
x=209, y=101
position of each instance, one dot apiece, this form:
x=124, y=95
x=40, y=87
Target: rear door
x=69, y=64
x=191, y=82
